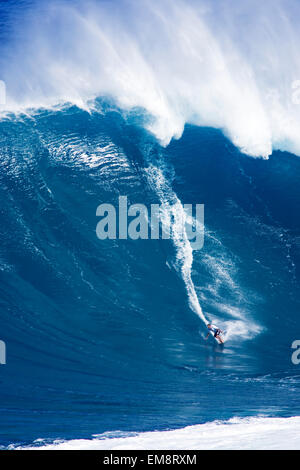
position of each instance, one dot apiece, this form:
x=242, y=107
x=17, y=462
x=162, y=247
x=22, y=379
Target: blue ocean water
x=104, y=335
x=99, y=334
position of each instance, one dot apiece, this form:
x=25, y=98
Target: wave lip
x=255, y=433
x=181, y=62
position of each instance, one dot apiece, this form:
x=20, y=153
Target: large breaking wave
x=101, y=335
x=208, y=63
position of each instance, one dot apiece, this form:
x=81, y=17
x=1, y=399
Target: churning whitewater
x=208, y=63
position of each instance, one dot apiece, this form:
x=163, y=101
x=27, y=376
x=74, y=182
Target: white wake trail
x=260, y=433
x=172, y=206
x=232, y=320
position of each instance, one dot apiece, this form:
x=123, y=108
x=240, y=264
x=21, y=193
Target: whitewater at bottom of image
x=235, y=434
x=106, y=335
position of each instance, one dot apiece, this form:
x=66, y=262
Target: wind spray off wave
x=101, y=334
x=209, y=63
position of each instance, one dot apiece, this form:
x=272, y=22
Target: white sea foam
x=221, y=64
x=237, y=433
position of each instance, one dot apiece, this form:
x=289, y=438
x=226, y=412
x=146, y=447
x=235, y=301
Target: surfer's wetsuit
x=216, y=331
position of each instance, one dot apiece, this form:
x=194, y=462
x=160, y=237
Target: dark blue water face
x=99, y=334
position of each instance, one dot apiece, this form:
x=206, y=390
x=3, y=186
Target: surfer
x=216, y=332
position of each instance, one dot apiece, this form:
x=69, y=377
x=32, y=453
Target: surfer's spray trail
x=184, y=252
